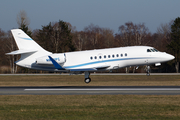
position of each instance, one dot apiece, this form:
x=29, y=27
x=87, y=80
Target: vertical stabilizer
x=23, y=41
x=28, y=49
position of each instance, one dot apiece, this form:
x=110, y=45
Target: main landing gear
x=87, y=78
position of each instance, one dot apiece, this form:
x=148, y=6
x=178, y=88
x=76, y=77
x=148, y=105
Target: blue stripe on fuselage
x=103, y=61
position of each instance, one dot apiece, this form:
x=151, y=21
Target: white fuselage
x=115, y=57
x=111, y=58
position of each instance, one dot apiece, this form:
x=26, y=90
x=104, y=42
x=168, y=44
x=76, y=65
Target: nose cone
x=169, y=57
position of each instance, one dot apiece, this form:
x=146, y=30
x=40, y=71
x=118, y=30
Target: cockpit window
x=152, y=50
x=155, y=50
x=148, y=50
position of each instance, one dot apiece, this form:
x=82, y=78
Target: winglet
x=56, y=65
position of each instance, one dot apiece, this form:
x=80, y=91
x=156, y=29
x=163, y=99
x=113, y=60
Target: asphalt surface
x=38, y=74
x=91, y=90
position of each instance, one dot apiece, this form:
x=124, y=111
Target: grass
x=89, y=107
x=97, y=80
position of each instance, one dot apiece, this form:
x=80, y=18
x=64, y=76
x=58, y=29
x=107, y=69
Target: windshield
x=152, y=50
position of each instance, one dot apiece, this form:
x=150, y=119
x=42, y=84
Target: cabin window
x=95, y=57
x=104, y=56
x=99, y=57
x=113, y=56
x=121, y=55
x=125, y=54
x=148, y=50
x=109, y=56
x=117, y=55
x=91, y=58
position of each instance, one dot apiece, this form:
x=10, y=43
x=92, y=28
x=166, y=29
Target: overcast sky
x=81, y=13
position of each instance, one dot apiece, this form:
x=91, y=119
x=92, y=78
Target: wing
x=59, y=67
x=91, y=69
x=102, y=67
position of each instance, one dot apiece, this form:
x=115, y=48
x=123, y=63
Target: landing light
x=137, y=67
x=157, y=64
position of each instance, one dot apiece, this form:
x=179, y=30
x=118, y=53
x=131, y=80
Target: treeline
x=61, y=36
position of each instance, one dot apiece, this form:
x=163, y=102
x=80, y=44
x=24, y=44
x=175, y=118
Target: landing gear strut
x=148, y=70
x=87, y=78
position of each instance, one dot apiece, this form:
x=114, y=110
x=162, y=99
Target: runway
x=91, y=90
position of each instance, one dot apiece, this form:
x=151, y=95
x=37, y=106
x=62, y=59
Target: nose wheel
x=148, y=74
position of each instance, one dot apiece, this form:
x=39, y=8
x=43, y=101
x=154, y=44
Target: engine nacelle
x=59, y=58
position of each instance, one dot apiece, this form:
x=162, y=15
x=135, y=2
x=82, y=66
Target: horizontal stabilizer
x=56, y=65
x=17, y=52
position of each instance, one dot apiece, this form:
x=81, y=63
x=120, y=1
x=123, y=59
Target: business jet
x=33, y=56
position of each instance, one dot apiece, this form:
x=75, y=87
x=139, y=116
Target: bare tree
x=92, y=31
x=108, y=37
x=80, y=40
x=8, y=46
x=2, y=54
x=140, y=33
x=22, y=19
x=98, y=37
x=133, y=34
x=163, y=35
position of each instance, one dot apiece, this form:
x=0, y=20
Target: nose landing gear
x=148, y=70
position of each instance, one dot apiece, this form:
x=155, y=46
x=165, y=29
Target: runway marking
x=105, y=89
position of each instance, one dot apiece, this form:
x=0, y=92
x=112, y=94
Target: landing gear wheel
x=148, y=74
x=87, y=80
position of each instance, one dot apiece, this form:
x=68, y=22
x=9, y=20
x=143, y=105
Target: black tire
x=87, y=80
x=148, y=74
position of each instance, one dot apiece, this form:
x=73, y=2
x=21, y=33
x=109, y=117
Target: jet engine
x=59, y=58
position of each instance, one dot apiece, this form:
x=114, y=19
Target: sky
x=81, y=13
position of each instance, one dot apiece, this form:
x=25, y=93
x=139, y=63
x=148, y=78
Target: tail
x=24, y=43
x=28, y=48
